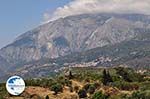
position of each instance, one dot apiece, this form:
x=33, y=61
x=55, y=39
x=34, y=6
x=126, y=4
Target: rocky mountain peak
x=73, y=34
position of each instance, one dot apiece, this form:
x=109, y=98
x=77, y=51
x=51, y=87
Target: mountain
x=133, y=53
x=80, y=38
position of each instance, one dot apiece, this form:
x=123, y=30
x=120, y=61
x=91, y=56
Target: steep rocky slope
x=75, y=34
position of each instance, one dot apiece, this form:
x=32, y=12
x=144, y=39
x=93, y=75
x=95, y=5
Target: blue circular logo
x=15, y=85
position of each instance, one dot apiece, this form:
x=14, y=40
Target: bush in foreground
x=57, y=88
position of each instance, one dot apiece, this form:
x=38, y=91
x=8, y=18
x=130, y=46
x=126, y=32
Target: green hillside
x=88, y=83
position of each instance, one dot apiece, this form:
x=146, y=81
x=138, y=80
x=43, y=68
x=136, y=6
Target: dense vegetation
x=94, y=83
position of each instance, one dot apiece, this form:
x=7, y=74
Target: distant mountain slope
x=120, y=37
x=133, y=53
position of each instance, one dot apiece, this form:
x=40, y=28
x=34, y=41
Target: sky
x=19, y=16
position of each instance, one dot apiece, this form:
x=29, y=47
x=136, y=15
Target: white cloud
x=96, y=6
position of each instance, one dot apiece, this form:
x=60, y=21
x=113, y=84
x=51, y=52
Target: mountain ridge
x=75, y=34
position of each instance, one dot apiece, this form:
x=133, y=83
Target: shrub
x=123, y=72
x=129, y=74
x=145, y=86
x=97, y=85
x=91, y=89
x=87, y=79
x=86, y=87
x=141, y=95
x=99, y=95
x=82, y=93
x=68, y=82
x=71, y=88
x=56, y=88
x=76, y=88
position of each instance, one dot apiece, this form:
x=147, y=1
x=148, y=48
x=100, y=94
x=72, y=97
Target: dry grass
x=43, y=92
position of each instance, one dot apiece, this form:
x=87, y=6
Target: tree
x=123, y=72
x=70, y=75
x=109, y=77
x=56, y=88
x=106, y=77
x=82, y=93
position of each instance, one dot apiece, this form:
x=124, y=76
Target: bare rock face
x=72, y=34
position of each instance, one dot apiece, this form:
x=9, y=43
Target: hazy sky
x=19, y=16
